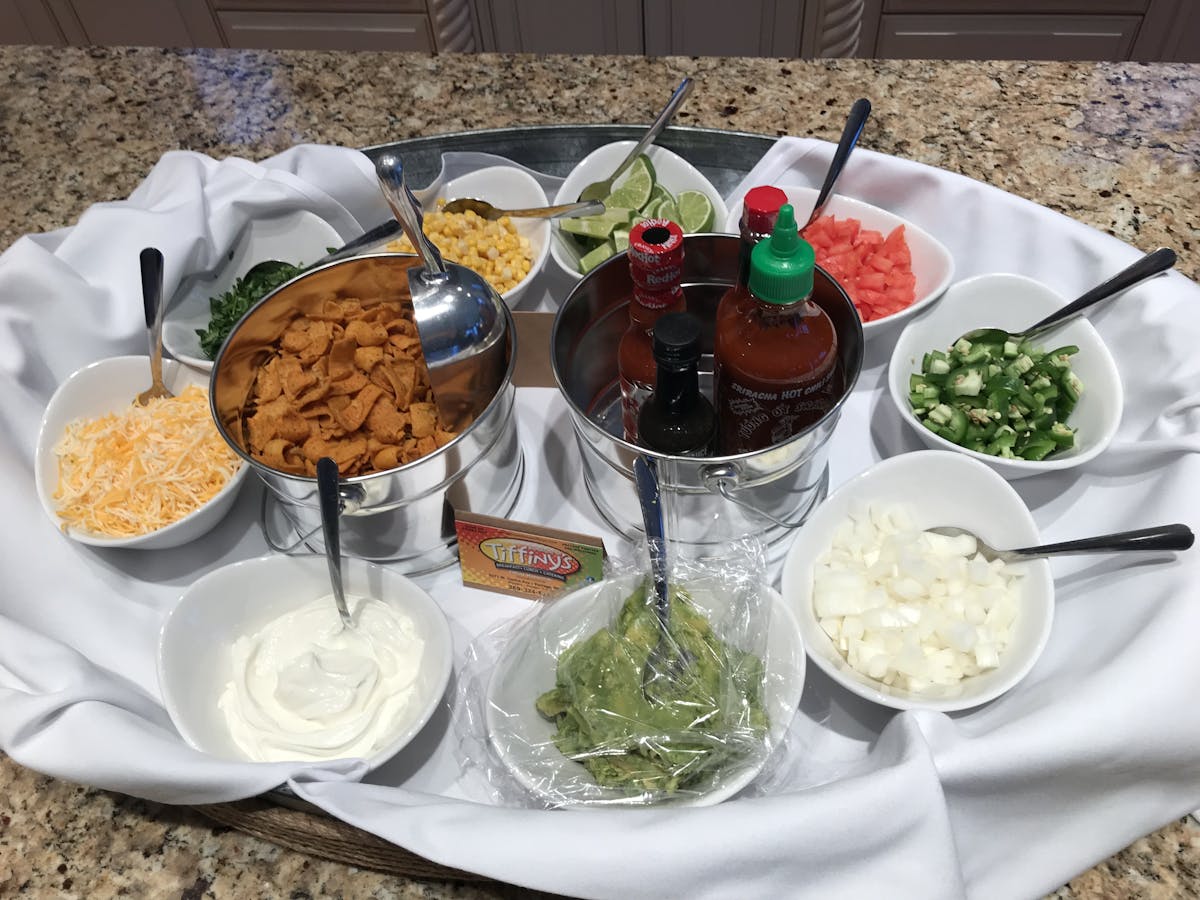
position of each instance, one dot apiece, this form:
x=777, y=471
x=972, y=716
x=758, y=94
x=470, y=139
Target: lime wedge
x=695, y=212
x=633, y=190
x=600, y=226
x=659, y=193
x=620, y=239
x=593, y=258
x=666, y=209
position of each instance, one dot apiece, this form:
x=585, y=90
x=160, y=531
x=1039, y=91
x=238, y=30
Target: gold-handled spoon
x=151, y=261
x=485, y=210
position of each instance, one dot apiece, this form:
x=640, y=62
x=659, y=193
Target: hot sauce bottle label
x=765, y=418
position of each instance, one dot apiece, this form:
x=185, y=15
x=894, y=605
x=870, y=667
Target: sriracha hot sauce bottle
x=677, y=419
x=760, y=207
x=656, y=267
x=775, y=351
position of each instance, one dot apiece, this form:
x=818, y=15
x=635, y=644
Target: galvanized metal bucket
x=709, y=501
x=403, y=515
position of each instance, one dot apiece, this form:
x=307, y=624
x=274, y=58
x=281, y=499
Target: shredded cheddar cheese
x=129, y=474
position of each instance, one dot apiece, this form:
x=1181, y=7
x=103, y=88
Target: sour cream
x=304, y=687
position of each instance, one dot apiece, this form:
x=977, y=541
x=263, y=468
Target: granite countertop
x=1113, y=145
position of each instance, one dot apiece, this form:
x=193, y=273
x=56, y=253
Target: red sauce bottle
x=656, y=267
x=775, y=351
x=760, y=208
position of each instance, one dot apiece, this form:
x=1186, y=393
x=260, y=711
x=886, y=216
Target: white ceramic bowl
x=932, y=263
x=508, y=188
x=1014, y=301
x=672, y=171
x=526, y=669
x=298, y=237
x=939, y=490
x=194, y=647
x=109, y=386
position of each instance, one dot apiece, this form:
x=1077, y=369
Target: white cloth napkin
x=1094, y=749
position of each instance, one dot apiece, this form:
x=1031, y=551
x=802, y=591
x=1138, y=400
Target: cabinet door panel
x=383, y=6
x=567, y=26
x=1087, y=7
x=1006, y=37
x=718, y=28
x=27, y=22
x=326, y=31
x=151, y=23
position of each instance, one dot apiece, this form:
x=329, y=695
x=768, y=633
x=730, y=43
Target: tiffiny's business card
x=525, y=560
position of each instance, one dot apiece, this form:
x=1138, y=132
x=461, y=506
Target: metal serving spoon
x=151, y=261
x=461, y=320
x=598, y=190
x=331, y=509
x=667, y=660
x=1164, y=537
x=1148, y=266
x=485, y=210
x=854, y=126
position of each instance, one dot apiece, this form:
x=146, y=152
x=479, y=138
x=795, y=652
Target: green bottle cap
x=781, y=267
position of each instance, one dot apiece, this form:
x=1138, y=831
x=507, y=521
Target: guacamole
x=710, y=716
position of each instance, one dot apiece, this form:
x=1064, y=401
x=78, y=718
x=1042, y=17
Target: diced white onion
x=914, y=610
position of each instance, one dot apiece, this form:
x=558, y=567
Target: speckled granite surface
x=1114, y=145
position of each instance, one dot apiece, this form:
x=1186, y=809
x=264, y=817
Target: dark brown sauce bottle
x=677, y=419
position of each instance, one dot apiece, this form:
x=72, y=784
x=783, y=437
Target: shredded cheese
x=132, y=473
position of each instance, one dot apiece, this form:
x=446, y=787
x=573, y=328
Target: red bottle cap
x=652, y=299
x=761, y=207
x=656, y=254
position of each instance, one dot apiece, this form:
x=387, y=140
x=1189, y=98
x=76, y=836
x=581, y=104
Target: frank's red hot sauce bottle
x=775, y=351
x=656, y=267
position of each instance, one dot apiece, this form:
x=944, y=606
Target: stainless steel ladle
x=461, y=320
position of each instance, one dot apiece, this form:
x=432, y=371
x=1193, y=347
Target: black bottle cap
x=677, y=339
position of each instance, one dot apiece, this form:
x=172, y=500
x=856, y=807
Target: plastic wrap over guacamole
x=707, y=715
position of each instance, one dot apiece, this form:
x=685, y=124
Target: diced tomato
x=875, y=271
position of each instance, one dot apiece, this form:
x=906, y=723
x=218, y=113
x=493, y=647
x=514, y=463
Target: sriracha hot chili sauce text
x=656, y=267
x=775, y=350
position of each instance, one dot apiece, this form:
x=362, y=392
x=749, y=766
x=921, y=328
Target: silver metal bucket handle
x=350, y=496
x=722, y=479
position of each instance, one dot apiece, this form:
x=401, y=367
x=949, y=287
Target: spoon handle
x=1163, y=537
x=645, y=473
x=672, y=107
x=327, y=490
x=854, y=126
x=390, y=172
x=581, y=208
x=151, y=262
x=1148, y=266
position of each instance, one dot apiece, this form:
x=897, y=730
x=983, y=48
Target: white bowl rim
x=1032, y=466
x=938, y=248
x=720, y=210
x=385, y=753
x=513, y=294
x=776, y=734
x=43, y=446
x=859, y=685
x=310, y=221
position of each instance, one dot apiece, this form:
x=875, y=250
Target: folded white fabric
x=1094, y=749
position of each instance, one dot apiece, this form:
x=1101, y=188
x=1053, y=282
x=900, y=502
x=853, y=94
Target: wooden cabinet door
x=147, y=23
x=1037, y=7
x=1006, y=37
x=720, y=28
x=561, y=26
x=28, y=22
